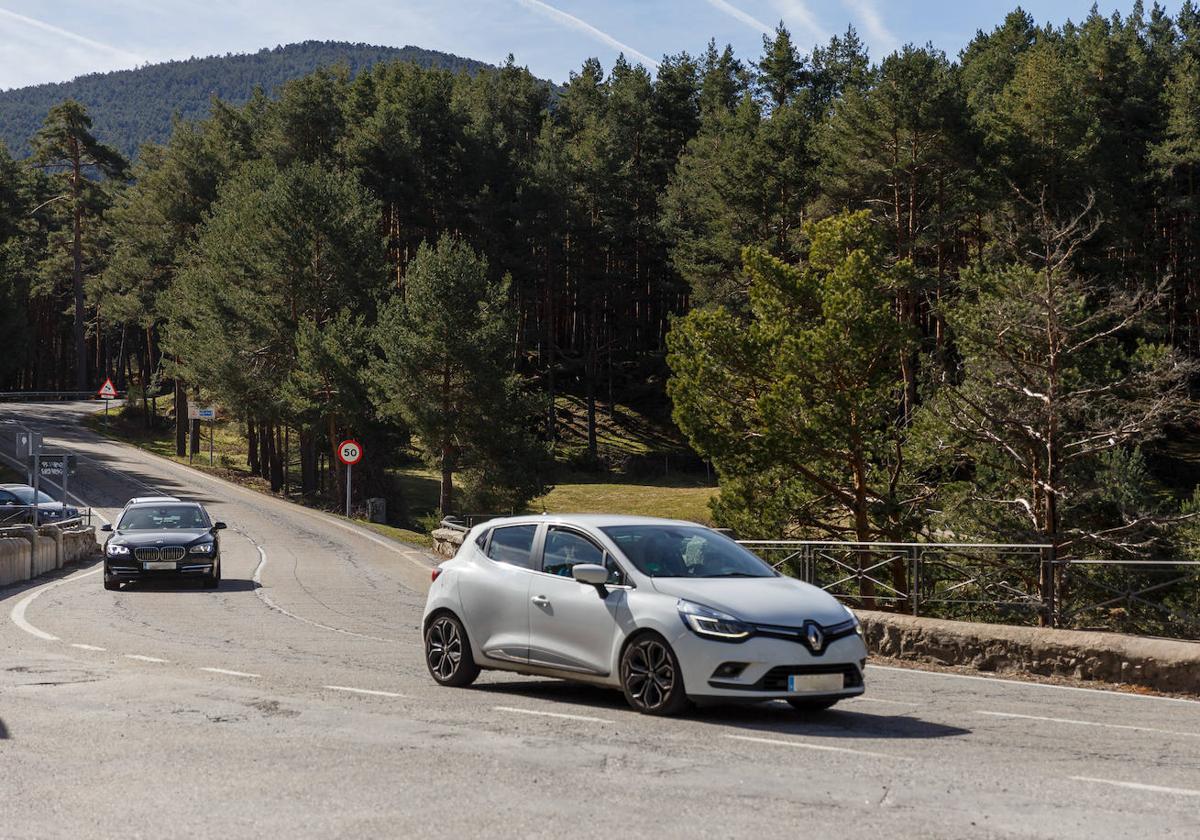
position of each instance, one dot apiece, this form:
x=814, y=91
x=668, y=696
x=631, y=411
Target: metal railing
x=21, y=515
x=1003, y=583
x=46, y=396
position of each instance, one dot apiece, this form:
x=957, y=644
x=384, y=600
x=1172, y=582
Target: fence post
x=914, y=588
x=1050, y=617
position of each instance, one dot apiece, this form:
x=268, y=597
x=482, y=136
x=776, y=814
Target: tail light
x=437, y=570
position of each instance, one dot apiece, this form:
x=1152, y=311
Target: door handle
x=540, y=600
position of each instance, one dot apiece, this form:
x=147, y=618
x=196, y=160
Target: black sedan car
x=163, y=539
x=17, y=507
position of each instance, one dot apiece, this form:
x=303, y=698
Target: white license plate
x=158, y=566
x=815, y=682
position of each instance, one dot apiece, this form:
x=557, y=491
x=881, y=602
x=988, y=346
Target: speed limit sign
x=349, y=452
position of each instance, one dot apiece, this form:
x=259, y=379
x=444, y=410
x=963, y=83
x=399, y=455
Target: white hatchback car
x=667, y=611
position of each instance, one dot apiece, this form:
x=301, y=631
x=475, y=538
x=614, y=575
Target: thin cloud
x=872, y=21
x=34, y=23
x=571, y=22
x=799, y=14
x=745, y=17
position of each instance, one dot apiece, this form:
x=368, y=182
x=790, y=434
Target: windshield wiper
x=733, y=574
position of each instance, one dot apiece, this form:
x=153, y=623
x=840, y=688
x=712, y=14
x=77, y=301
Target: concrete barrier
x=26, y=552
x=1159, y=664
x=15, y=557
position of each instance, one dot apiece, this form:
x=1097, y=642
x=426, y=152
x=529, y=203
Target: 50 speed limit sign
x=349, y=452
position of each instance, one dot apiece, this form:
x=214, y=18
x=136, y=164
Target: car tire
x=811, y=706
x=448, y=652
x=650, y=677
x=213, y=581
x=111, y=583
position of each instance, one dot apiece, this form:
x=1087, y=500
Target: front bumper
x=128, y=569
x=768, y=664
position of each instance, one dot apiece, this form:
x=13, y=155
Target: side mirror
x=592, y=575
x=219, y=526
x=106, y=527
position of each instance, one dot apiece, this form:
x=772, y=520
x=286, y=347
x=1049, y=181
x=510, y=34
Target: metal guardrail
x=22, y=515
x=1003, y=583
x=45, y=396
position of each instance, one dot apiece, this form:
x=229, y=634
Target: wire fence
x=1000, y=583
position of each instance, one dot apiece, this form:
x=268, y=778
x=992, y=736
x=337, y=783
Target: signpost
x=29, y=443
x=107, y=392
x=59, y=466
x=349, y=452
x=209, y=413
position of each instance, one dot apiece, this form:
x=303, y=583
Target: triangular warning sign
x=107, y=391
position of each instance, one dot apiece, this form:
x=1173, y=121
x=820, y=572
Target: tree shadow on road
x=3, y=731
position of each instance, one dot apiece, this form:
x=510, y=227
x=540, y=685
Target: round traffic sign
x=349, y=452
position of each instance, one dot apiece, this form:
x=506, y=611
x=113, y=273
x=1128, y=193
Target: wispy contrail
x=872, y=21
x=745, y=17
x=797, y=12
x=34, y=23
x=569, y=20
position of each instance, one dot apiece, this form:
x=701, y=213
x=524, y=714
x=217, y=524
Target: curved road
x=294, y=702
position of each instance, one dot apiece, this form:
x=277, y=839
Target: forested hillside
x=921, y=296
x=130, y=107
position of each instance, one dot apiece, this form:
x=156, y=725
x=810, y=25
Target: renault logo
x=814, y=636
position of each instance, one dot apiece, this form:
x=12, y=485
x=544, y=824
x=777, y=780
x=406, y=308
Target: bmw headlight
x=712, y=624
x=117, y=550
x=202, y=548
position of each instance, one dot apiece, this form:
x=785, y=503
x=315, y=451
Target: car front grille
x=169, y=553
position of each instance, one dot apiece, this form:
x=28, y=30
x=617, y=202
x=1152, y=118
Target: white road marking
x=822, y=747
x=1002, y=681
x=86, y=647
x=1087, y=723
x=369, y=691
x=562, y=715
x=1138, y=786
x=230, y=673
x=266, y=599
x=881, y=700
x=18, y=612
x=141, y=658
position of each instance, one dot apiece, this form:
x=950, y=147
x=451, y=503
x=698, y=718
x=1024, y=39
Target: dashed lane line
x=369, y=691
x=1073, y=722
x=819, y=747
x=562, y=715
x=86, y=647
x=1137, y=786
x=230, y=673
x=1002, y=681
x=882, y=700
x=141, y=658
x=266, y=599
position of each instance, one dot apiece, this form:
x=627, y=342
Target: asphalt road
x=294, y=702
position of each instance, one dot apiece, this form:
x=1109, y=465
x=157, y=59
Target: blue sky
x=55, y=40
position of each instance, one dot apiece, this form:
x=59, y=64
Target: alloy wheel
x=444, y=648
x=650, y=675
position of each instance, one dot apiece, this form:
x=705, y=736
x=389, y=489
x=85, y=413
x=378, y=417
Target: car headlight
x=857, y=624
x=203, y=548
x=117, y=550
x=712, y=624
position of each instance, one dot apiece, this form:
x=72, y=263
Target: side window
x=513, y=545
x=7, y=498
x=481, y=540
x=566, y=549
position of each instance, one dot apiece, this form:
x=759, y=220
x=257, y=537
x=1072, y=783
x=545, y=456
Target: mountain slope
x=129, y=107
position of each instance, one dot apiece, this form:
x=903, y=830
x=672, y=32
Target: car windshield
x=163, y=517
x=685, y=551
x=25, y=495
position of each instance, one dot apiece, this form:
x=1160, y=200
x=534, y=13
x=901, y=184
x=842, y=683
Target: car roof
x=16, y=486
x=587, y=520
x=145, y=500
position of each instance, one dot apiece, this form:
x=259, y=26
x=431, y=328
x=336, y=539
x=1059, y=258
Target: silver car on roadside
x=669, y=612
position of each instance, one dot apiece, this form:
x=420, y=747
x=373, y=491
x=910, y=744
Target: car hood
x=172, y=536
x=782, y=601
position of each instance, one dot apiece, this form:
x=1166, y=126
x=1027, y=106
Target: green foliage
x=795, y=405
x=444, y=371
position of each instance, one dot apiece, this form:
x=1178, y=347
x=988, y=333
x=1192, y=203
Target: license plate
x=158, y=566
x=815, y=682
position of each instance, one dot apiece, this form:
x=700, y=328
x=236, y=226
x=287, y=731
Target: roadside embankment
x=1159, y=664
x=27, y=552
